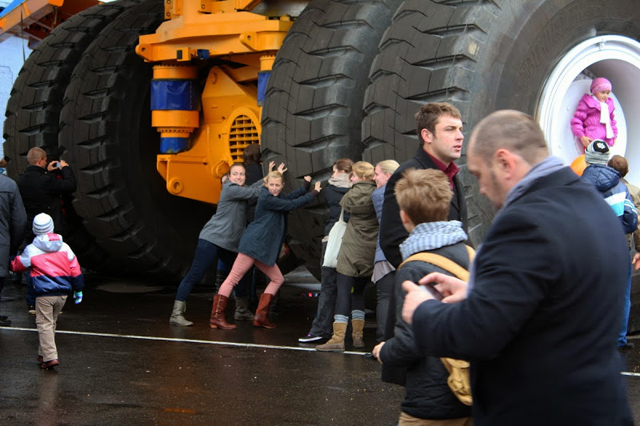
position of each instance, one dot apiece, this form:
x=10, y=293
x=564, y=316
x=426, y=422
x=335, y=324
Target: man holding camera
x=42, y=186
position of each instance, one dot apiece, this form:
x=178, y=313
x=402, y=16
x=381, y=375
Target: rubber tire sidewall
x=498, y=55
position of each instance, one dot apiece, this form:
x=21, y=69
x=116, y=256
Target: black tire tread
x=102, y=106
x=313, y=108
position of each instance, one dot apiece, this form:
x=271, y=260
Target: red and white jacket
x=52, y=265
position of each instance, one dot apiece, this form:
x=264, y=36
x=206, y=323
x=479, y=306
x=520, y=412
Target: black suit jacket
x=541, y=321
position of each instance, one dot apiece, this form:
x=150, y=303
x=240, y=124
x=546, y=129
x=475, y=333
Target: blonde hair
x=35, y=154
x=363, y=170
x=388, y=166
x=275, y=175
x=424, y=195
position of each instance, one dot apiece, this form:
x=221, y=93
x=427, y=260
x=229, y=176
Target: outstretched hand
x=453, y=289
x=636, y=261
x=282, y=168
x=272, y=165
x=317, y=187
x=307, y=178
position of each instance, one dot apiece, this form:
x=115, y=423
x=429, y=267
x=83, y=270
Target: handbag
x=334, y=242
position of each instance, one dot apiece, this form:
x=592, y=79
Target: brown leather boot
x=358, y=333
x=261, y=319
x=217, y=313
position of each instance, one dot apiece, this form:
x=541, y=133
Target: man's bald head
x=34, y=155
x=512, y=130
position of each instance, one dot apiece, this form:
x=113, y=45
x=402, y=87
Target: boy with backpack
x=424, y=197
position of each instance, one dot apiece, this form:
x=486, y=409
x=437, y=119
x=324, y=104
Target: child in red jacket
x=54, y=272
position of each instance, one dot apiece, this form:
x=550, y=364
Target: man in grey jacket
x=13, y=222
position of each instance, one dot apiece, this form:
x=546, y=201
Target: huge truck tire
x=112, y=148
x=481, y=57
x=313, y=107
x=33, y=110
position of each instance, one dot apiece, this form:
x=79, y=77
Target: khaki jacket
x=358, y=248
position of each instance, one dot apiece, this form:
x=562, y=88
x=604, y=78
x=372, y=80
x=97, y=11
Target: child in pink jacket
x=594, y=117
x=55, y=273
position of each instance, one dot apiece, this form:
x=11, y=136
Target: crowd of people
x=543, y=306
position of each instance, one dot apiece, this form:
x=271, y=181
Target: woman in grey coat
x=219, y=237
x=260, y=245
x=356, y=257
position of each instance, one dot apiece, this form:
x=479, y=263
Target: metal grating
x=243, y=132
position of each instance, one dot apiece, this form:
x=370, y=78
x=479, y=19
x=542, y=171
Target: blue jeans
x=626, y=308
x=323, y=322
x=348, y=301
x=206, y=255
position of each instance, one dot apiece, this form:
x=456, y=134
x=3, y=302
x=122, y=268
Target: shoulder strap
x=443, y=263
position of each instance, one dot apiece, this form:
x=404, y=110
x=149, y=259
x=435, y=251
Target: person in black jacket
x=424, y=197
x=339, y=184
x=439, y=128
x=539, y=317
x=42, y=185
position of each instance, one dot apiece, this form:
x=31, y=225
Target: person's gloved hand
x=77, y=297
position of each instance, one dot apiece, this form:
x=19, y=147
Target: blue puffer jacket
x=608, y=181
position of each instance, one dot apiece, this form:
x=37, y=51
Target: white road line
x=173, y=339
x=206, y=342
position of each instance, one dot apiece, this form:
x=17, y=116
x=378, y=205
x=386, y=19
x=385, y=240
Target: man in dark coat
x=41, y=188
x=13, y=223
x=439, y=127
x=539, y=317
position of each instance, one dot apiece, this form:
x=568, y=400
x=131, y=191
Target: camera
x=56, y=165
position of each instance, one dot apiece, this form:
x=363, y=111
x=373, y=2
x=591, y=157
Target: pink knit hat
x=599, y=84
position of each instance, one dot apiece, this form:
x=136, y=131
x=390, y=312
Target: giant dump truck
x=150, y=101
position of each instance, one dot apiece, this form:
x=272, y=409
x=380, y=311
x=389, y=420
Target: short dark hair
x=251, y=154
x=429, y=116
x=344, y=165
x=620, y=164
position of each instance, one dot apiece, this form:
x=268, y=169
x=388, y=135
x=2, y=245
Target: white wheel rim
x=616, y=58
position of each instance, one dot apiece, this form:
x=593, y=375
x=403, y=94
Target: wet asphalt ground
x=121, y=363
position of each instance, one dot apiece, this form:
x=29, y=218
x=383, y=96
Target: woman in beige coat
x=355, y=260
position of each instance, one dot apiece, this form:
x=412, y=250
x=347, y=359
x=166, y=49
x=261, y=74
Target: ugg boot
x=217, y=313
x=358, y=333
x=177, y=316
x=261, y=319
x=336, y=343
x=242, y=310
